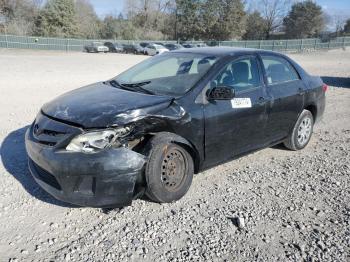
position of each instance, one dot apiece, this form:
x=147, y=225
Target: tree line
x=169, y=19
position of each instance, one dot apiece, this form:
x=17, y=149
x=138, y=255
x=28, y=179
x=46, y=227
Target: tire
x=301, y=133
x=169, y=170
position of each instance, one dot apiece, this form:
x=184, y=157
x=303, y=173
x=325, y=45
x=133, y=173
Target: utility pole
x=176, y=38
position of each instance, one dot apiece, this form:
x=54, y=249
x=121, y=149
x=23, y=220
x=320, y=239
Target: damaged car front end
x=91, y=153
x=97, y=167
x=83, y=168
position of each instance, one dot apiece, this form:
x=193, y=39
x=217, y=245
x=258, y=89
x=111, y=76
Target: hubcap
x=304, y=131
x=173, y=169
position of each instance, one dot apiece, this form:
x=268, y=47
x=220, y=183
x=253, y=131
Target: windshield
x=168, y=74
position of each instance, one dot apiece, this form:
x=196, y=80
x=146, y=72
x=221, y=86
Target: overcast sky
x=105, y=7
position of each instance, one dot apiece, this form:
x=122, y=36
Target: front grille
x=46, y=143
x=45, y=176
x=47, y=137
x=50, y=132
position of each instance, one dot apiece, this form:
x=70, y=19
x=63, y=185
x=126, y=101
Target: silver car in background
x=96, y=47
x=155, y=49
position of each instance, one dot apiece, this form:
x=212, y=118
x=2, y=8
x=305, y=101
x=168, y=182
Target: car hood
x=101, y=105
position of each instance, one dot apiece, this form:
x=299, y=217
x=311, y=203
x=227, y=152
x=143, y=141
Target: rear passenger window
x=241, y=74
x=278, y=70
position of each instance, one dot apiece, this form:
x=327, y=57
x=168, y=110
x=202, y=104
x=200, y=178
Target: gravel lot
x=271, y=205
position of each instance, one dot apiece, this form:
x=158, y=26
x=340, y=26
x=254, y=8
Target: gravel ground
x=271, y=205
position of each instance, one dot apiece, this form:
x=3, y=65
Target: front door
x=235, y=126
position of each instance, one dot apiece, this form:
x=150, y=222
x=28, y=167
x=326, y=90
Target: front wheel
x=302, y=132
x=169, y=171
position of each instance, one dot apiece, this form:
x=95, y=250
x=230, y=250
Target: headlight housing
x=95, y=141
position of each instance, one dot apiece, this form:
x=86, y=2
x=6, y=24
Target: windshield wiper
x=132, y=87
x=114, y=83
x=137, y=86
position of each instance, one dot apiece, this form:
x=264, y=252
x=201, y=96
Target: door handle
x=301, y=91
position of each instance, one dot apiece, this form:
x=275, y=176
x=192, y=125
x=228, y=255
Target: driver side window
x=241, y=74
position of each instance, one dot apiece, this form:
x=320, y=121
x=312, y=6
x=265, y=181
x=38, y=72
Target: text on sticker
x=241, y=103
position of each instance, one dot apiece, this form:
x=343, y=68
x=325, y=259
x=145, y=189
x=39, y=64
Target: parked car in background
x=96, y=47
x=172, y=47
x=133, y=49
x=155, y=49
x=201, y=45
x=185, y=45
x=149, y=129
x=114, y=47
x=143, y=45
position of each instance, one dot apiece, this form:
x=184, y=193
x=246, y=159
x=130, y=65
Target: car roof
x=157, y=45
x=223, y=51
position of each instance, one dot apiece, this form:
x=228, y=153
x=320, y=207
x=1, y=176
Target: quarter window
x=278, y=70
x=241, y=74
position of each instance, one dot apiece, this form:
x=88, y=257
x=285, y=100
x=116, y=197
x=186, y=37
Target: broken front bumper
x=103, y=179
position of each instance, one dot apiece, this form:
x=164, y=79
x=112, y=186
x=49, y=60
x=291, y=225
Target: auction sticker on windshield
x=241, y=103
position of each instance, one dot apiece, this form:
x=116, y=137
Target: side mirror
x=221, y=93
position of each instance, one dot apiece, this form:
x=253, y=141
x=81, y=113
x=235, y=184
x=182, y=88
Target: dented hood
x=101, y=105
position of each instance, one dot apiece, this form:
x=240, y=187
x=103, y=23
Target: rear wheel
x=302, y=131
x=169, y=171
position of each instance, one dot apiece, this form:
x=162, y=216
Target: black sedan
x=173, y=47
x=185, y=45
x=114, y=47
x=148, y=130
x=133, y=49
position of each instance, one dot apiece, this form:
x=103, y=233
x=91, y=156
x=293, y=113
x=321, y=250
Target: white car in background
x=154, y=49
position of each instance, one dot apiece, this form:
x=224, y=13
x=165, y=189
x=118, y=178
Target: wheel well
x=174, y=139
x=313, y=110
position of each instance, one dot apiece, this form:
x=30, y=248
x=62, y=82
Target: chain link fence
x=65, y=44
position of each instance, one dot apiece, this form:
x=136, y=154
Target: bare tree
x=337, y=21
x=19, y=15
x=273, y=11
x=149, y=16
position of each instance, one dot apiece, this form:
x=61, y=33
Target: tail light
x=324, y=87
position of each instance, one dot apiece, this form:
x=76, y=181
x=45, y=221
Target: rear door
x=236, y=126
x=286, y=91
